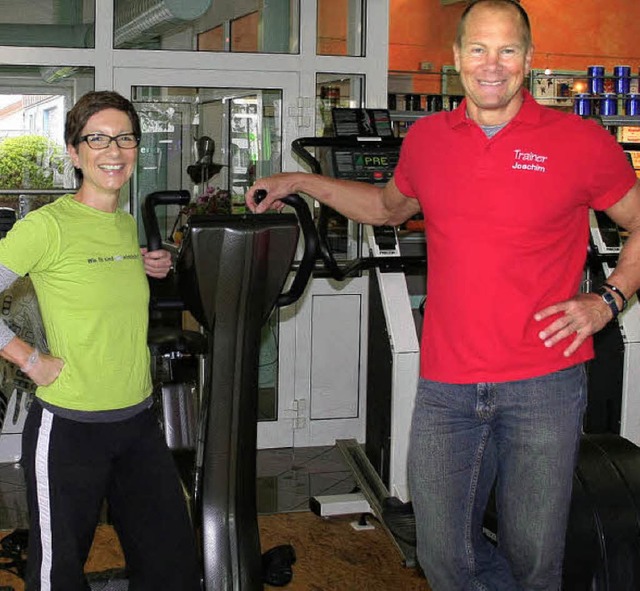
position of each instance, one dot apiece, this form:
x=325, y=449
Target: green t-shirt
x=93, y=293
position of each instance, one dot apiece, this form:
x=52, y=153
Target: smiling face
x=104, y=171
x=493, y=59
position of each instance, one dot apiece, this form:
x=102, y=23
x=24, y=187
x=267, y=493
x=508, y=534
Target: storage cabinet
x=415, y=94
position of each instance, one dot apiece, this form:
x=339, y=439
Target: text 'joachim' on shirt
x=529, y=161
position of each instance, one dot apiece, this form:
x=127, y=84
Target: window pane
x=213, y=39
x=336, y=90
x=34, y=165
x=341, y=27
x=47, y=23
x=257, y=26
x=244, y=32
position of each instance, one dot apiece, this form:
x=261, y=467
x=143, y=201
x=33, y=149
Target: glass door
x=215, y=137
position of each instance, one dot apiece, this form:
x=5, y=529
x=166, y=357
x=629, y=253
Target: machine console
x=364, y=149
x=370, y=161
x=367, y=163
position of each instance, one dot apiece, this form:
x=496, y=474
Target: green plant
x=29, y=161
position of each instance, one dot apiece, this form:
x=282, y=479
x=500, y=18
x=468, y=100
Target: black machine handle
x=299, y=147
x=149, y=217
x=309, y=234
x=311, y=245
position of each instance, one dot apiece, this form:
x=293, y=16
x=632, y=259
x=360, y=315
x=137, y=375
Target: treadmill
x=366, y=150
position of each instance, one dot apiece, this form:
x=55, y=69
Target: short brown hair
x=88, y=105
x=515, y=4
x=91, y=103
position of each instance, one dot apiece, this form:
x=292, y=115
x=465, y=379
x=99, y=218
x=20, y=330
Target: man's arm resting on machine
x=361, y=202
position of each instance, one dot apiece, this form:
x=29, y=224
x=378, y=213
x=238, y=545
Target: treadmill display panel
x=370, y=166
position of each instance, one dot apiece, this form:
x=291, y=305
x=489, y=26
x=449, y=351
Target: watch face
x=607, y=297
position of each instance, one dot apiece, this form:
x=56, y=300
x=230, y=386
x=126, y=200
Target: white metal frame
x=120, y=69
x=109, y=63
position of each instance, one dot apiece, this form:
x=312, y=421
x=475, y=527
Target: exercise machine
x=614, y=397
x=21, y=313
x=230, y=271
x=603, y=536
x=396, y=261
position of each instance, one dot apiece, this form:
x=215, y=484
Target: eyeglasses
x=100, y=141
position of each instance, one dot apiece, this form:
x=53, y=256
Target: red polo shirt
x=507, y=230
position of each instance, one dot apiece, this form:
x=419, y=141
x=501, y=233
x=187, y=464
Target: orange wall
x=332, y=27
x=244, y=32
x=568, y=35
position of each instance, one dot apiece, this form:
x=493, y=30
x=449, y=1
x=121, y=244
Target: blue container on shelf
x=609, y=105
x=622, y=76
x=583, y=105
x=595, y=74
x=632, y=105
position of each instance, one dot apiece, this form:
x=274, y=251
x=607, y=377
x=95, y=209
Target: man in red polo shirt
x=505, y=186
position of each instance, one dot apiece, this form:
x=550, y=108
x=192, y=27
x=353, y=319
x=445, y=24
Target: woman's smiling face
x=105, y=171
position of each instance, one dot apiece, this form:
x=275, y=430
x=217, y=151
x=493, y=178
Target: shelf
x=408, y=115
x=612, y=120
x=621, y=121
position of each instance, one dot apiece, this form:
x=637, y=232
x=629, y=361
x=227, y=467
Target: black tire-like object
x=582, y=552
x=612, y=519
x=603, y=534
x=622, y=532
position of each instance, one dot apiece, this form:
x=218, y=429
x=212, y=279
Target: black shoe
x=276, y=565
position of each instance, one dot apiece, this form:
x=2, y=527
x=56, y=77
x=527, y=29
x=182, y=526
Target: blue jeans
x=522, y=435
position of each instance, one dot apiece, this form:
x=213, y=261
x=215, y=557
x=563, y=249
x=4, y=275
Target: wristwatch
x=607, y=298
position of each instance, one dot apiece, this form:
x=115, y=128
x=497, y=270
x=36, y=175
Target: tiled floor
x=287, y=478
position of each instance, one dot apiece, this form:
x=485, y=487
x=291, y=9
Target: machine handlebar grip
x=260, y=195
x=308, y=262
x=149, y=217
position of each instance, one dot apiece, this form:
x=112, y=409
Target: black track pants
x=70, y=468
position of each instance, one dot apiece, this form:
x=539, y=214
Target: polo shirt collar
x=529, y=112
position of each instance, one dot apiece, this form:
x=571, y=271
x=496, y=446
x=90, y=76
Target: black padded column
x=232, y=270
